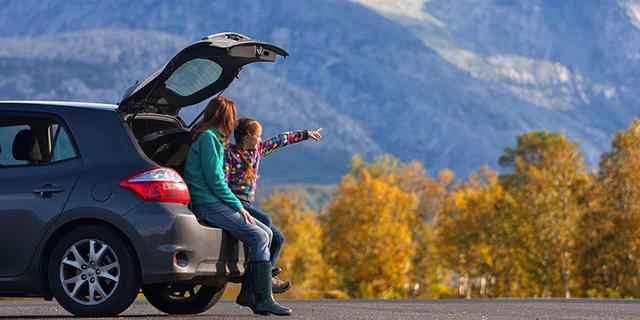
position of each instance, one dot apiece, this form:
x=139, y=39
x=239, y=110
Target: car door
x=39, y=166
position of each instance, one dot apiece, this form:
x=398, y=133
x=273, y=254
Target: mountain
x=450, y=83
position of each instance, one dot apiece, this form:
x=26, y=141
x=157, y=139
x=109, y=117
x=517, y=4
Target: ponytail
x=249, y=173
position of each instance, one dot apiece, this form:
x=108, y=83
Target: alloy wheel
x=89, y=272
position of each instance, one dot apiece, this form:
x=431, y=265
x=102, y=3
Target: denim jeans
x=278, y=238
x=257, y=237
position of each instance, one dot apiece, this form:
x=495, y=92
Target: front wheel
x=93, y=272
x=181, y=298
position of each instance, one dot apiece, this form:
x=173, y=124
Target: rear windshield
x=193, y=76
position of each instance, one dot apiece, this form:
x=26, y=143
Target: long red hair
x=245, y=127
x=220, y=113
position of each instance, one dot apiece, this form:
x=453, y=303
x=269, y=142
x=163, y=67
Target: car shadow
x=134, y=316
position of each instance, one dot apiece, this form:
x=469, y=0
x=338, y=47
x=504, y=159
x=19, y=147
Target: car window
x=193, y=76
x=7, y=135
x=62, y=146
x=33, y=140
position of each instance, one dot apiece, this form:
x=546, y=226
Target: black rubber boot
x=246, y=297
x=264, y=303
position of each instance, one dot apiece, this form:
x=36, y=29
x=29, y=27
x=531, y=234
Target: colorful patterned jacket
x=235, y=168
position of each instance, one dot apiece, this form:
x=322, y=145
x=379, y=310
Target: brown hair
x=245, y=127
x=220, y=113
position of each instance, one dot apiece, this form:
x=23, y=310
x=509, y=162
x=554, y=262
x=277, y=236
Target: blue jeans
x=278, y=238
x=257, y=237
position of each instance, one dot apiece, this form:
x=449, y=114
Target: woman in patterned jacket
x=242, y=163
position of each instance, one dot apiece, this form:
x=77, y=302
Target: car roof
x=71, y=104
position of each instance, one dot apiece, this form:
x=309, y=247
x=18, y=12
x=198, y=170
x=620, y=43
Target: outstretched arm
x=286, y=138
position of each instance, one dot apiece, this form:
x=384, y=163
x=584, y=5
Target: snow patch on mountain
x=632, y=9
x=412, y=9
x=544, y=83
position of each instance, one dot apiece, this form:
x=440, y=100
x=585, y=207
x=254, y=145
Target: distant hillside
x=450, y=83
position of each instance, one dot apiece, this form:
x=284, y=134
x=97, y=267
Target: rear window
x=33, y=140
x=7, y=134
x=62, y=147
x=193, y=76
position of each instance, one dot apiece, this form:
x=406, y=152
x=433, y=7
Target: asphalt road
x=368, y=309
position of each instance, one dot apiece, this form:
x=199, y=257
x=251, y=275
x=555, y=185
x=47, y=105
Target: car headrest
x=26, y=147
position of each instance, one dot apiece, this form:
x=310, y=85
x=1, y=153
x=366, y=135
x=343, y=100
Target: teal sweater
x=204, y=172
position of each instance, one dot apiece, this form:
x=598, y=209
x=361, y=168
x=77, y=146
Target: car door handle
x=48, y=189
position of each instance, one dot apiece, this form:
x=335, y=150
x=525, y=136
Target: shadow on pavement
x=133, y=316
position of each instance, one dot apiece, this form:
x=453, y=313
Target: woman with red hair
x=215, y=204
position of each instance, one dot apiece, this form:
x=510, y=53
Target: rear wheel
x=182, y=299
x=93, y=272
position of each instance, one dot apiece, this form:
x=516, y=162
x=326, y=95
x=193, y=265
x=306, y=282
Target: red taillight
x=158, y=184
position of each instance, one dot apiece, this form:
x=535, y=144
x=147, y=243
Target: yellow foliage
x=547, y=185
x=470, y=235
x=368, y=236
x=610, y=246
x=545, y=228
x=301, y=259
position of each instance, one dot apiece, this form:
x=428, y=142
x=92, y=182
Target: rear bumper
x=173, y=246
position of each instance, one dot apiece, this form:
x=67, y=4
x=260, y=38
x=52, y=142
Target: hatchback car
x=92, y=204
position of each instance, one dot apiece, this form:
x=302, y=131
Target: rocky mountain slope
x=449, y=83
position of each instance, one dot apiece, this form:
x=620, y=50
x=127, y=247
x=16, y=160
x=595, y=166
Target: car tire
x=182, y=299
x=94, y=272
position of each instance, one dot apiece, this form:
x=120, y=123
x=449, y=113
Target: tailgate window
x=193, y=76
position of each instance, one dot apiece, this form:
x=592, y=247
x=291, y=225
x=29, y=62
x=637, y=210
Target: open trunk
x=196, y=73
x=164, y=139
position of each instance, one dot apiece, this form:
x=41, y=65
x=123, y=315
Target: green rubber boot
x=264, y=303
x=246, y=297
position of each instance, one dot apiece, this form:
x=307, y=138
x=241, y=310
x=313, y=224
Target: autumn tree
x=426, y=277
x=429, y=271
x=368, y=235
x=547, y=184
x=610, y=248
x=472, y=234
x=301, y=258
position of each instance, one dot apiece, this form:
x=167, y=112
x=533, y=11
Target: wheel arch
x=47, y=249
